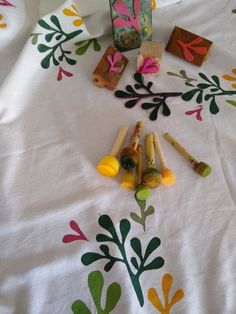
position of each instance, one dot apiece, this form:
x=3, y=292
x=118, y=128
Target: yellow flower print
x=2, y=25
x=154, y=4
x=153, y=297
x=231, y=78
x=74, y=12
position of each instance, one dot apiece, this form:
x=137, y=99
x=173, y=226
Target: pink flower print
x=187, y=47
x=113, y=60
x=61, y=71
x=196, y=111
x=121, y=8
x=74, y=237
x=149, y=66
x=6, y=3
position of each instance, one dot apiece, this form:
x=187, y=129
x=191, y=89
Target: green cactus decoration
x=96, y=283
x=139, y=266
x=144, y=213
x=56, y=52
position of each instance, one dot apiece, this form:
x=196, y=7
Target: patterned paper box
x=131, y=23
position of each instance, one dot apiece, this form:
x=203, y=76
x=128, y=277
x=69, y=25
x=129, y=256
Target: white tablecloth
x=55, y=125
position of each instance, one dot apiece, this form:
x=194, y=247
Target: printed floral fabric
x=75, y=242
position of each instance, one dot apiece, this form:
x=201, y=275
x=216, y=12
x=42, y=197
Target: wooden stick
x=142, y=192
x=151, y=176
x=159, y=151
x=136, y=135
x=181, y=149
x=140, y=164
x=150, y=153
x=201, y=167
x=119, y=141
x=168, y=177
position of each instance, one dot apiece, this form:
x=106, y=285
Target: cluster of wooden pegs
x=131, y=160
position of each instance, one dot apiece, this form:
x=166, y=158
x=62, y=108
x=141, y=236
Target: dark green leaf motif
x=155, y=264
x=158, y=99
x=189, y=95
x=134, y=262
x=204, y=77
x=208, y=90
x=203, y=85
x=56, y=22
x=138, y=263
x=124, y=229
x=152, y=246
x=216, y=80
x=136, y=246
x=45, y=25
x=49, y=37
x=55, y=52
x=43, y=48
x=199, y=97
x=89, y=258
x=213, y=106
x=45, y=63
x=103, y=238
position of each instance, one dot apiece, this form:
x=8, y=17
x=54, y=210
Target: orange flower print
x=154, y=4
x=74, y=12
x=2, y=25
x=188, y=47
x=153, y=297
x=231, y=78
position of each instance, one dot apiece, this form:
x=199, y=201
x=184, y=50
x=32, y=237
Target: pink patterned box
x=149, y=57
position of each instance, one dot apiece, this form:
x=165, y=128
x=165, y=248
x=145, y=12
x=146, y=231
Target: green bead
x=203, y=169
x=142, y=192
